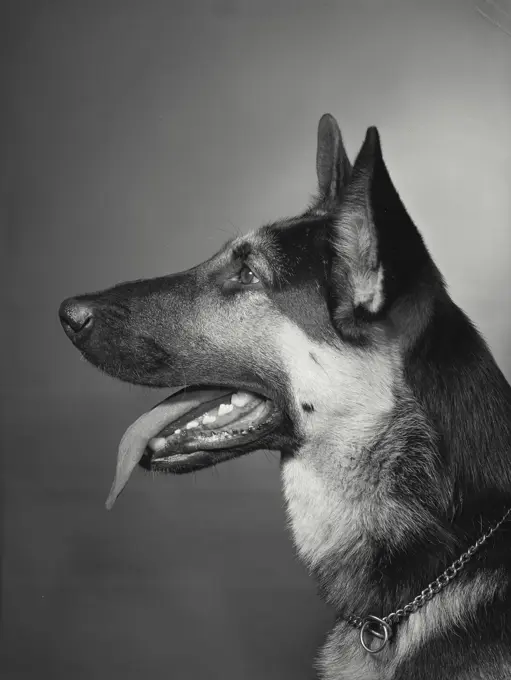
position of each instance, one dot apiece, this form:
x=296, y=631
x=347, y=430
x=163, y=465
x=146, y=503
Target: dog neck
x=372, y=555
x=355, y=514
x=376, y=520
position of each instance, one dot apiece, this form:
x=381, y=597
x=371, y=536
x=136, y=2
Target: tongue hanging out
x=187, y=422
x=135, y=439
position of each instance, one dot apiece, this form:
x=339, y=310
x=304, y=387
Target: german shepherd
x=331, y=338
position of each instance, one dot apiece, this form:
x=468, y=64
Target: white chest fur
x=321, y=520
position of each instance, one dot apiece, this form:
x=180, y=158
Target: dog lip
x=166, y=460
x=234, y=434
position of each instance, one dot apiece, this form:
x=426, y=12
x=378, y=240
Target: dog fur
x=395, y=432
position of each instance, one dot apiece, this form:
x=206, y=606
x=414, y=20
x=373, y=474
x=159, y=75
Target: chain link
x=435, y=586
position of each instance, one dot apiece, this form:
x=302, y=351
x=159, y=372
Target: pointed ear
x=378, y=251
x=333, y=167
x=357, y=269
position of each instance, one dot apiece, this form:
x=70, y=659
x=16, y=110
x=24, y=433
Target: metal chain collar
x=383, y=628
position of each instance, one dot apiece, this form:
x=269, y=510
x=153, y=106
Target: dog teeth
x=240, y=399
x=223, y=409
x=157, y=443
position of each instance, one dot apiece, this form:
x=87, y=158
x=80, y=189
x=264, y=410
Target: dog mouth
x=194, y=425
x=221, y=423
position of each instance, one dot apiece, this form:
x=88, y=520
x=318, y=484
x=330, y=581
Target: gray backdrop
x=136, y=137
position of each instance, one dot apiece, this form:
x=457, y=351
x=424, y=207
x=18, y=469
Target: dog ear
x=378, y=252
x=333, y=167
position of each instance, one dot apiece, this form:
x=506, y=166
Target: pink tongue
x=136, y=437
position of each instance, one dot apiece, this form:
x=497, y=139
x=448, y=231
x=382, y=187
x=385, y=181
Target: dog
x=331, y=338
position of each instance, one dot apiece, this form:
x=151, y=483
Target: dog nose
x=76, y=317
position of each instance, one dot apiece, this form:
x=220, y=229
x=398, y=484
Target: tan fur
x=455, y=606
x=328, y=496
x=356, y=245
x=342, y=657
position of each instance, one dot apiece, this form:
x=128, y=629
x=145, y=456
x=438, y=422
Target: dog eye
x=246, y=276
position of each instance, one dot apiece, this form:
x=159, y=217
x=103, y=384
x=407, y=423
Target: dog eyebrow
x=241, y=251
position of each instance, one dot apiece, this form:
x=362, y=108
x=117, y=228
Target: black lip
x=190, y=456
x=201, y=443
x=199, y=453
x=280, y=436
x=258, y=390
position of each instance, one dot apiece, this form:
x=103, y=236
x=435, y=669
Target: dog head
x=284, y=332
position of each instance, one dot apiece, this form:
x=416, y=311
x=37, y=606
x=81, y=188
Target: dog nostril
x=75, y=316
